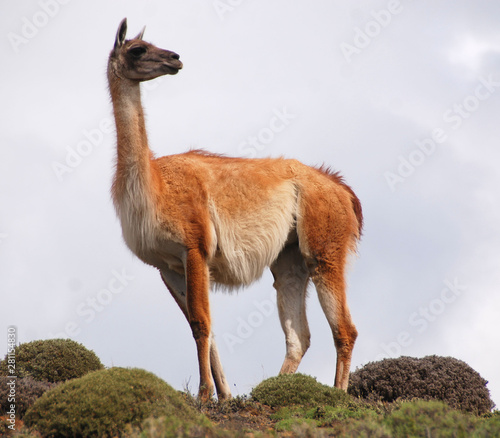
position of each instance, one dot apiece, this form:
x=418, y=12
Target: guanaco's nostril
x=175, y=56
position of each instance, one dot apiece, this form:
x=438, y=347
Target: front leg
x=176, y=284
x=198, y=307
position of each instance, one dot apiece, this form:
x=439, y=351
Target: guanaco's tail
x=356, y=204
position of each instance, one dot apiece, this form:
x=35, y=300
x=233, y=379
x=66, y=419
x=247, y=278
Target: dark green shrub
x=324, y=416
x=488, y=427
x=429, y=418
x=296, y=389
x=172, y=426
x=430, y=378
x=367, y=428
x=53, y=360
x=27, y=391
x=104, y=403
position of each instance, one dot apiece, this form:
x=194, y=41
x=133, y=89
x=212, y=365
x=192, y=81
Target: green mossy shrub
x=53, y=360
x=367, y=428
x=418, y=418
x=430, y=378
x=172, y=426
x=488, y=427
x=323, y=416
x=430, y=418
x=106, y=403
x=27, y=391
x=297, y=389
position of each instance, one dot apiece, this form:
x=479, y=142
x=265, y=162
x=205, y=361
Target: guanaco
x=204, y=219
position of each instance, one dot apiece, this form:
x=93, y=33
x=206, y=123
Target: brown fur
x=205, y=219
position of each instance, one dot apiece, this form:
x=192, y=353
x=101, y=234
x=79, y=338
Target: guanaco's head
x=138, y=60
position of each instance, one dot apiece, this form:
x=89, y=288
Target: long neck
x=133, y=166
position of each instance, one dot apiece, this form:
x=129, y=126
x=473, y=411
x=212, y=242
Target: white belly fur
x=243, y=243
x=250, y=241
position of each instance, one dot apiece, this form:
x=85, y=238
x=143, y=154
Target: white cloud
x=470, y=50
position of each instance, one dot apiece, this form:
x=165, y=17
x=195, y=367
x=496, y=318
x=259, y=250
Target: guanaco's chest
x=153, y=241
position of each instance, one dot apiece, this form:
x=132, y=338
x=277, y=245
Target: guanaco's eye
x=137, y=51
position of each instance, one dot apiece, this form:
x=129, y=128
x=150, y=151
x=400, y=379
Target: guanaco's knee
x=200, y=329
x=344, y=341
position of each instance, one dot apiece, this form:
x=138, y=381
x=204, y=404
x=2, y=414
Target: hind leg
x=330, y=285
x=176, y=284
x=290, y=281
x=328, y=229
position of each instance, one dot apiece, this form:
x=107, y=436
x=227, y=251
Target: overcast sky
x=402, y=97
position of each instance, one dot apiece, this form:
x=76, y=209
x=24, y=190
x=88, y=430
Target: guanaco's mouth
x=172, y=68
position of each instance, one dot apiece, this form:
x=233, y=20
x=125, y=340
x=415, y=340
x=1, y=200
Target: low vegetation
x=431, y=378
x=28, y=390
x=297, y=389
x=53, y=360
x=108, y=402
x=39, y=366
x=383, y=401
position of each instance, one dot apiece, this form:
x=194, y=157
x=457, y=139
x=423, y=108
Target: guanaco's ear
x=120, y=35
x=140, y=34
